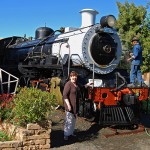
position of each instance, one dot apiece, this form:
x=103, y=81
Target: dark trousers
x=135, y=73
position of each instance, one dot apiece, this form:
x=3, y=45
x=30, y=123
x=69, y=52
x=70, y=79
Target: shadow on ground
x=90, y=134
x=145, y=120
x=85, y=131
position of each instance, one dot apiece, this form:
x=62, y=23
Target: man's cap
x=135, y=39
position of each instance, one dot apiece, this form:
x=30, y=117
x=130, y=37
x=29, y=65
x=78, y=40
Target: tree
x=129, y=23
x=145, y=40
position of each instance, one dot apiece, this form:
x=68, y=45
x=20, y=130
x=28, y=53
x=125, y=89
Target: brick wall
x=34, y=137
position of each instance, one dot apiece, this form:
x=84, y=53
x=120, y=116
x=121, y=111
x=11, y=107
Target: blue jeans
x=135, y=73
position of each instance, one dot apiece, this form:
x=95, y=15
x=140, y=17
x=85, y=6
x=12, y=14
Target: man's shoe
x=66, y=138
x=144, y=85
x=131, y=85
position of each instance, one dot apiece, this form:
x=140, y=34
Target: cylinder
x=88, y=17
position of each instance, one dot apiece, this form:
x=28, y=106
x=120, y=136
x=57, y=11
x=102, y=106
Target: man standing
x=136, y=62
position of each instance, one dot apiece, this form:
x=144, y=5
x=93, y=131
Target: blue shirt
x=137, y=54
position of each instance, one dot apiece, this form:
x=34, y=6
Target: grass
x=4, y=136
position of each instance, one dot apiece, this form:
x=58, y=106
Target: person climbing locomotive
x=136, y=62
x=71, y=96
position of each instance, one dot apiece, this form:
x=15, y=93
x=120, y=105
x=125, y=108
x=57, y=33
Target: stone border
x=34, y=137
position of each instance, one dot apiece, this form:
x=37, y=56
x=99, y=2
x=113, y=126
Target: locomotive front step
x=115, y=115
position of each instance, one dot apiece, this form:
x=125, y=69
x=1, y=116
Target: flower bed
x=22, y=118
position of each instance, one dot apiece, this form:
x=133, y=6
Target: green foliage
x=32, y=105
x=129, y=20
x=145, y=40
x=146, y=106
x=130, y=23
x=6, y=106
x=4, y=136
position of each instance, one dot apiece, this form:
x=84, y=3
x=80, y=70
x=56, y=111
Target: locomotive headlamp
x=108, y=21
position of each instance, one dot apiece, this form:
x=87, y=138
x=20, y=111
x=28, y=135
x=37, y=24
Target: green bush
x=146, y=106
x=6, y=106
x=4, y=136
x=32, y=105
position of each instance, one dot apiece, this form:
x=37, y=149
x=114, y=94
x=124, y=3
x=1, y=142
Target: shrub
x=6, y=106
x=32, y=105
x=4, y=136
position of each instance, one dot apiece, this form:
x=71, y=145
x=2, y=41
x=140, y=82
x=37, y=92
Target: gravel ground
x=92, y=137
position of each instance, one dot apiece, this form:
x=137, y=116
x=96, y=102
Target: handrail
x=9, y=80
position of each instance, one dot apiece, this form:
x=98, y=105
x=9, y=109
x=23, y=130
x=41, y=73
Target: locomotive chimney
x=88, y=17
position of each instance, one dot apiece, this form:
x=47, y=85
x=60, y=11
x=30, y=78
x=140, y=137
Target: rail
x=8, y=82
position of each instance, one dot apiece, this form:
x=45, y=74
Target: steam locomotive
x=94, y=51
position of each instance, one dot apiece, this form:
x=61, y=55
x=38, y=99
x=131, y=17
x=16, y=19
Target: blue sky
x=19, y=17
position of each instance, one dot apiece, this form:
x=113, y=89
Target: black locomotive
x=93, y=50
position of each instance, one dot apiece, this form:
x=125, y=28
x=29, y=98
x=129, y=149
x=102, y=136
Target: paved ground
x=92, y=137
